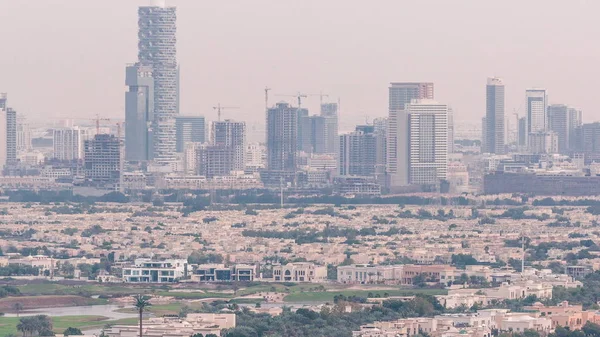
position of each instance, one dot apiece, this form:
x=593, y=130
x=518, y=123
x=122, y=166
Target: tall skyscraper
x=522, y=132
x=68, y=143
x=3, y=99
x=401, y=94
x=329, y=111
x=23, y=134
x=190, y=129
x=536, y=103
x=450, y=130
x=157, y=48
x=313, y=136
x=11, y=137
x=428, y=154
x=282, y=137
x=139, y=112
x=575, y=122
x=214, y=160
x=558, y=122
x=231, y=135
x=103, y=161
x=494, y=117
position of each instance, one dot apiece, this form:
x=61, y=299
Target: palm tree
x=17, y=307
x=141, y=304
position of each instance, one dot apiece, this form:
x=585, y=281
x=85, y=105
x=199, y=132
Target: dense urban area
x=162, y=224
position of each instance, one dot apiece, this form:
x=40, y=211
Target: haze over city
x=65, y=58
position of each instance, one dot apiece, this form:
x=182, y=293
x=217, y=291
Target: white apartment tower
x=428, y=142
x=536, y=103
x=401, y=94
x=493, y=130
x=68, y=143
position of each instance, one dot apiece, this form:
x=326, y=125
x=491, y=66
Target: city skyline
x=255, y=57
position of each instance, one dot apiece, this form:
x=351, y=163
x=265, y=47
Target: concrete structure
x=68, y=143
x=221, y=273
x=150, y=271
x=212, y=160
x=281, y=138
x=299, y=272
x=494, y=119
x=157, y=48
x=231, y=135
x=428, y=142
x=312, y=138
x=103, y=161
x=536, y=105
x=190, y=129
x=543, y=142
x=23, y=134
x=139, y=112
x=401, y=94
x=11, y=137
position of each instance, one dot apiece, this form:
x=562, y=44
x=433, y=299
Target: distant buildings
x=329, y=111
x=299, y=272
x=221, y=273
x=493, y=128
x=536, y=103
x=190, y=129
x=231, y=135
x=103, y=161
x=11, y=137
x=358, y=155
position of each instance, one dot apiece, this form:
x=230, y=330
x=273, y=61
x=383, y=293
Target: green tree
x=17, y=307
x=141, y=303
x=72, y=332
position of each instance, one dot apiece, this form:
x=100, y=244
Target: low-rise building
x=300, y=272
x=365, y=274
x=175, y=327
x=150, y=271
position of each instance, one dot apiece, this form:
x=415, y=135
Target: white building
x=536, y=103
x=192, y=324
x=68, y=143
x=149, y=271
x=365, y=274
x=428, y=151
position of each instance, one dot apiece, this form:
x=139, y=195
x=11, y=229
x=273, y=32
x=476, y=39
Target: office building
x=11, y=137
x=559, y=123
x=428, y=149
x=103, y=161
x=536, y=103
x=358, y=152
x=575, y=122
x=139, y=113
x=151, y=271
x=450, y=130
x=401, y=94
x=543, y=142
x=380, y=128
x=329, y=111
x=590, y=141
x=494, y=118
x=190, y=129
x=3, y=135
x=68, y=143
x=522, y=132
x=281, y=138
x=157, y=48
x=232, y=136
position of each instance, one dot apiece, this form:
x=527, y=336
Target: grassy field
x=8, y=325
x=327, y=296
x=85, y=289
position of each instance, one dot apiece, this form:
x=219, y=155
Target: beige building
x=177, y=327
x=300, y=272
x=369, y=274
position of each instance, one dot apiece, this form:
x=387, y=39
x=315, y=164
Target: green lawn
x=327, y=296
x=8, y=325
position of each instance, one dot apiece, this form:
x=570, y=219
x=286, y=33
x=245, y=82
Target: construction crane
x=267, y=89
x=299, y=96
x=218, y=108
x=321, y=95
x=97, y=120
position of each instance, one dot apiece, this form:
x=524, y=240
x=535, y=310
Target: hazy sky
x=66, y=58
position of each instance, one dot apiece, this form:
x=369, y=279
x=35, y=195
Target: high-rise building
x=103, y=161
x=329, y=111
x=536, y=103
x=23, y=134
x=256, y=157
x=157, y=48
x=231, y=135
x=190, y=129
x=543, y=142
x=428, y=154
x=312, y=134
x=214, y=160
x=450, y=130
x=401, y=94
x=68, y=143
x=494, y=121
x=282, y=137
x=522, y=132
x=11, y=137
x=358, y=152
x=575, y=122
x=139, y=112
x=558, y=122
